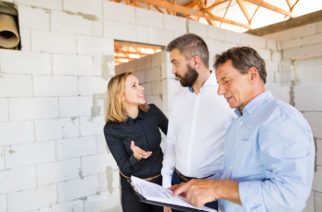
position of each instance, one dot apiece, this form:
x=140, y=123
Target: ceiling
x=235, y=15
x=127, y=51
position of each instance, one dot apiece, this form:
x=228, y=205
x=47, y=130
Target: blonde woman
x=132, y=135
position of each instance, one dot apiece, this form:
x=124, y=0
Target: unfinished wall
x=53, y=155
x=302, y=58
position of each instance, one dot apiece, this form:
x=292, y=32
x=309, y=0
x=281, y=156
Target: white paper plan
x=157, y=193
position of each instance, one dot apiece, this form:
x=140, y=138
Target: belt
x=147, y=178
x=185, y=178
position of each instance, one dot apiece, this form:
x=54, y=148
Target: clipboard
x=181, y=204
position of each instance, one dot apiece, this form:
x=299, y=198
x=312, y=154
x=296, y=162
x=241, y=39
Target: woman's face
x=134, y=92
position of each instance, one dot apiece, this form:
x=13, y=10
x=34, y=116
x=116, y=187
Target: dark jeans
x=177, y=180
x=130, y=201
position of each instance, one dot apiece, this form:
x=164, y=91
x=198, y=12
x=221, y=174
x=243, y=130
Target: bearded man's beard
x=189, y=78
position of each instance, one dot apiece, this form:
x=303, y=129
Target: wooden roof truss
x=196, y=9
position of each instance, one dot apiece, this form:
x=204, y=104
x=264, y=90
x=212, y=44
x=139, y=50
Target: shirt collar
x=256, y=102
x=140, y=116
x=209, y=82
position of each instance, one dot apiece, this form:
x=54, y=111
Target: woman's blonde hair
x=115, y=110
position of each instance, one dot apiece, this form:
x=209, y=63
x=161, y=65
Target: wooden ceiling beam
x=191, y=12
x=270, y=7
x=216, y=3
x=172, y=7
x=288, y=2
x=227, y=21
x=243, y=9
x=291, y=9
x=191, y=4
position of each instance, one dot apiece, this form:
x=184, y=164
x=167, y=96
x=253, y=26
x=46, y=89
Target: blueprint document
x=156, y=194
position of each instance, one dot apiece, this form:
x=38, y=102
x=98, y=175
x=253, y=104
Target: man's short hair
x=191, y=45
x=243, y=58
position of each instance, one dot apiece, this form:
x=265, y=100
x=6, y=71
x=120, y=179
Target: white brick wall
x=160, y=36
x=112, y=10
x=88, y=7
x=125, y=31
x=32, y=199
x=314, y=119
x=76, y=147
x=72, y=65
x=33, y=18
x=174, y=23
x=32, y=108
x=9, y=135
x=4, y=109
x=113, y=201
x=1, y=159
x=70, y=127
x=91, y=85
x=14, y=86
x=33, y=63
x=47, y=4
x=54, y=86
x=148, y=18
x=95, y=46
x=75, y=106
x=100, y=202
x=319, y=151
x=3, y=203
x=58, y=171
x=142, y=34
x=29, y=154
x=91, y=126
x=310, y=203
x=70, y=23
x=198, y=28
x=12, y=180
x=74, y=189
x=317, y=183
x=306, y=100
x=318, y=201
x=74, y=206
x=101, y=144
x=50, y=129
x=53, y=42
x=97, y=164
x=25, y=39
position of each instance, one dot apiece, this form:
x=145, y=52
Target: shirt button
x=241, y=123
x=231, y=167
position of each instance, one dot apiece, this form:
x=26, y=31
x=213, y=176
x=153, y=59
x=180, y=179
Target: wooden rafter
x=216, y=3
x=227, y=21
x=270, y=7
x=291, y=9
x=191, y=12
x=191, y=4
x=243, y=9
x=288, y=2
x=251, y=19
x=202, y=5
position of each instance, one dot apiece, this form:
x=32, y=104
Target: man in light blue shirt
x=269, y=150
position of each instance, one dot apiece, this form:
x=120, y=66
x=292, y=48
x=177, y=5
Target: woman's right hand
x=139, y=153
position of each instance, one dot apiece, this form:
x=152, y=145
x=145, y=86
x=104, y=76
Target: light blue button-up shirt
x=270, y=151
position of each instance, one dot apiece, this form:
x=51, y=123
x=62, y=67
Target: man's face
x=182, y=69
x=234, y=86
